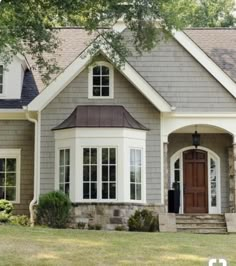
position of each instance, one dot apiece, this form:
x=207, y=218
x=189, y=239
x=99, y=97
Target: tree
x=28, y=27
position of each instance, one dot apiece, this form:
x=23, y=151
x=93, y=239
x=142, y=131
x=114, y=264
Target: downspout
x=34, y=200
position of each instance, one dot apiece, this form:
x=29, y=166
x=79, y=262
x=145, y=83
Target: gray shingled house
x=119, y=139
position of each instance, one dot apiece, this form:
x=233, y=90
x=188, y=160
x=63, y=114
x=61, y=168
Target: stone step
x=203, y=230
x=200, y=216
x=189, y=221
x=200, y=225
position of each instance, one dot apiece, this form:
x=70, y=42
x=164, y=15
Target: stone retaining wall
x=108, y=215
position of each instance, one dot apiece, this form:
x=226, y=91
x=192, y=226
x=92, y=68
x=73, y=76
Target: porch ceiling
x=202, y=129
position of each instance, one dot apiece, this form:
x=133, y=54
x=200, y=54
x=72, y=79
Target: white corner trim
x=78, y=65
x=206, y=62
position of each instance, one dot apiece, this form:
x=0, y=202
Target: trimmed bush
x=6, y=207
x=53, y=209
x=22, y=220
x=143, y=221
x=4, y=217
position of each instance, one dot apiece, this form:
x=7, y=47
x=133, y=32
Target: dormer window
x=101, y=80
x=1, y=79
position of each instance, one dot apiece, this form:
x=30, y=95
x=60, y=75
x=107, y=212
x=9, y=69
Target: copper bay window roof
x=100, y=116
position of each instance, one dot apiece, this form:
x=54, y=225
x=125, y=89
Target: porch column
x=232, y=177
x=166, y=174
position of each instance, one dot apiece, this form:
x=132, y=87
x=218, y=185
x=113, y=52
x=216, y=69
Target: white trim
x=79, y=64
x=206, y=62
x=119, y=26
x=111, y=80
x=14, y=154
x=210, y=154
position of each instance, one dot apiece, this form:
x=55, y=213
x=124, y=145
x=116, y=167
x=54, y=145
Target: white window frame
x=99, y=172
x=142, y=173
x=210, y=155
x=14, y=154
x=59, y=166
x=111, y=80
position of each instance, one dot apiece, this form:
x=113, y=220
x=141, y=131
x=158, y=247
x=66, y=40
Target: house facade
x=118, y=139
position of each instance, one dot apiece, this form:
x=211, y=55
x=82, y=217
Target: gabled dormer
x=11, y=77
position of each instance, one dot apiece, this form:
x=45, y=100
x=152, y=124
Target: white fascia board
x=76, y=67
x=206, y=62
x=119, y=26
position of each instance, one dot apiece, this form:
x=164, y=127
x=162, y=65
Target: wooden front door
x=195, y=179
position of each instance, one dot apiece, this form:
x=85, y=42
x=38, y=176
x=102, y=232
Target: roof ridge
x=210, y=28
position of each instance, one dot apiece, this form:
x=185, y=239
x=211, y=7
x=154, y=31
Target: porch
x=203, y=176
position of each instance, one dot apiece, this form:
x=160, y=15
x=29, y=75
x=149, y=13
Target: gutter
x=34, y=200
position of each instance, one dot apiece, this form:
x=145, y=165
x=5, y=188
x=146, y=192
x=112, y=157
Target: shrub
x=94, y=227
x=143, y=221
x=53, y=209
x=120, y=228
x=6, y=207
x=81, y=225
x=4, y=217
x=22, y=220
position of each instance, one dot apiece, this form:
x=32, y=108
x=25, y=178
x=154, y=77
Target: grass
x=43, y=246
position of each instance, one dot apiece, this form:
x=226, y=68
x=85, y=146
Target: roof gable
x=79, y=64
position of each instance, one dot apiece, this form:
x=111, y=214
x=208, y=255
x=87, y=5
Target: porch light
x=196, y=139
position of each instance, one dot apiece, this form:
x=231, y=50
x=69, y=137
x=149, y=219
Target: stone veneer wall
x=108, y=215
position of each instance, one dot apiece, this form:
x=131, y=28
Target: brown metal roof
x=100, y=116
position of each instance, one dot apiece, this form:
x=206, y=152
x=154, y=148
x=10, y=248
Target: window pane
x=105, y=70
x=86, y=156
x=177, y=164
x=67, y=174
x=112, y=156
x=132, y=157
x=112, y=173
x=86, y=191
x=112, y=190
x=138, y=192
x=138, y=175
x=96, y=70
x=93, y=190
x=0, y=88
x=93, y=156
x=105, y=156
x=61, y=157
x=105, y=190
x=96, y=81
x=96, y=91
x=2, y=193
x=177, y=175
x=2, y=165
x=11, y=165
x=93, y=173
x=1, y=78
x=104, y=173
x=105, y=91
x=105, y=81
x=11, y=179
x=2, y=179
x=11, y=193
x=138, y=157
x=213, y=200
x=62, y=174
x=67, y=189
x=62, y=187
x=132, y=174
x=86, y=173
x=67, y=157
x=132, y=191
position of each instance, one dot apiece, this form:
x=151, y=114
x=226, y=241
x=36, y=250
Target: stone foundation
x=108, y=215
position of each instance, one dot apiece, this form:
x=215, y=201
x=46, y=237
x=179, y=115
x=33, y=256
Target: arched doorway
x=197, y=174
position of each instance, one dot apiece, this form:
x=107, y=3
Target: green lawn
x=42, y=246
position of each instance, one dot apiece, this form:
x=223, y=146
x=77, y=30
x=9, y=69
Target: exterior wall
x=20, y=135
x=124, y=94
x=219, y=143
x=181, y=80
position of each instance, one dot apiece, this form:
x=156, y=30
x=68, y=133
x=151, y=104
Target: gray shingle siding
x=181, y=80
x=20, y=135
x=124, y=94
x=219, y=144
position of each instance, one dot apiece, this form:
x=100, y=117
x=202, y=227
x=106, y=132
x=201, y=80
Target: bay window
x=64, y=171
x=135, y=174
